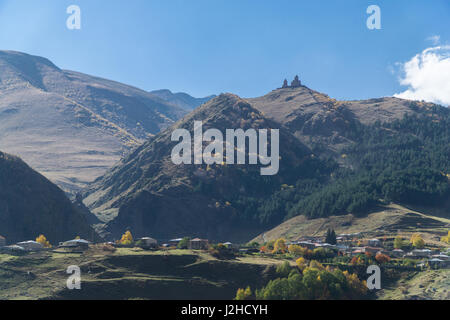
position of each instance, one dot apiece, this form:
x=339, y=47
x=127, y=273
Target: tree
x=43, y=240
x=417, y=241
x=313, y=284
x=127, y=238
x=301, y=263
x=382, y=258
x=316, y=265
x=184, y=243
x=296, y=250
x=358, y=260
x=280, y=246
x=254, y=244
x=399, y=243
x=243, y=294
x=331, y=237
x=284, y=269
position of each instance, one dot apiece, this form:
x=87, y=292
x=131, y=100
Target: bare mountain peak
x=181, y=99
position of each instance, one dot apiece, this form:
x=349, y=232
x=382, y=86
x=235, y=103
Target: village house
x=76, y=244
x=344, y=249
x=306, y=244
x=2, y=241
x=347, y=238
x=398, y=253
x=230, y=245
x=374, y=243
x=14, y=249
x=438, y=263
x=31, y=245
x=419, y=253
x=326, y=246
x=147, y=242
x=175, y=242
x=198, y=244
x=440, y=256
x=358, y=250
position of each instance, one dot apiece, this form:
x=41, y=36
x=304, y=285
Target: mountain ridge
x=147, y=178
x=181, y=99
x=333, y=178
x=70, y=126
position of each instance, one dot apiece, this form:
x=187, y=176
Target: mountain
x=150, y=195
x=325, y=124
x=30, y=205
x=387, y=150
x=69, y=126
x=181, y=99
x=338, y=158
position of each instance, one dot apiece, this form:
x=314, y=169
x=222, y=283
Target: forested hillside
x=405, y=161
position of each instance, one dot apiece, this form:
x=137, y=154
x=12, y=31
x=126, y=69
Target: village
x=342, y=249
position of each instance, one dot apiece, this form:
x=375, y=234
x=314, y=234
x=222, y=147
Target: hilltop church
x=296, y=83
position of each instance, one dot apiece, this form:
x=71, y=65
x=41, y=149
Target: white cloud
x=427, y=76
x=434, y=39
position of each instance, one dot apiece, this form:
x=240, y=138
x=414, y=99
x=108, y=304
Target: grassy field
x=130, y=274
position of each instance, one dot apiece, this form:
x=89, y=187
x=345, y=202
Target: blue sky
x=242, y=46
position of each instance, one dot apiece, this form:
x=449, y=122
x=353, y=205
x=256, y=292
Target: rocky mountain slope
x=69, y=126
x=31, y=205
x=339, y=158
x=325, y=124
x=181, y=99
x=151, y=195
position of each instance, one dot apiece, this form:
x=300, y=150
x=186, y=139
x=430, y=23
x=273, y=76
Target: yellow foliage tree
x=301, y=263
x=43, y=240
x=243, y=294
x=316, y=265
x=296, y=250
x=280, y=246
x=357, y=286
x=417, y=241
x=127, y=238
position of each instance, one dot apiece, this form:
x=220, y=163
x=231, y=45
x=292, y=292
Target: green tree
x=331, y=237
x=184, y=243
x=399, y=243
x=284, y=269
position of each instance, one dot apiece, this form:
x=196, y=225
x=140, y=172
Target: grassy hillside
x=432, y=285
x=387, y=220
x=130, y=274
